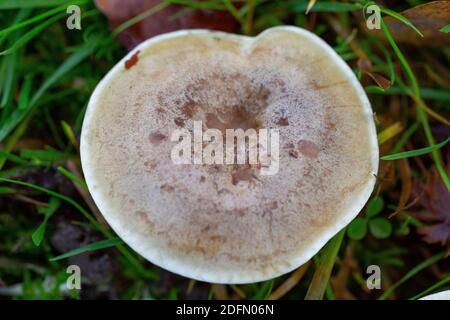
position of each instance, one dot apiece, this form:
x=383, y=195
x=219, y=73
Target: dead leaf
x=365, y=65
x=438, y=233
x=290, y=282
x=381, y=81
x=311, y=4
x=435, y=203
x=429, y=18
x=170, y=18
x=220, y=291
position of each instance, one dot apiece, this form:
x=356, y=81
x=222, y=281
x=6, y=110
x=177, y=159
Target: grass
x=421, y=115
x=415, y=153
x=322, y=274
x=47, y=74
x=90, y=247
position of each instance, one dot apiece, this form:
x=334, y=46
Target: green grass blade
x=390, y=65
x=322, y=274
x=415, y=153
x=445, y=29
x=12, y=140
x=8, y=75
x=18, y=4
x=421, y=115
x=7, y=190
x=13, y=158
x=30, y=35
x=264, y=290
x=215, y=5
x=126, y=253
x=411, y=274
x=46, y=155
x=432, y=288
x=48, y=13
x=73, y=60
x=139, y=18
x=426, y=93
x=232, y=10
x=38, y=235
x=72, y=202
x=405, y=138
x=69, y=133
x=401, y=18
x=25, y=92
x=69, y=175
x=90, y=247
x=301, y=6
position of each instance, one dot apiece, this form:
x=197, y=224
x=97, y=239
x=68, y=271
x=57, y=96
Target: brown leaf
x=429, y=18
x=170, y=18
x=438, y=233
x=435, y=203
x=366, y=67
x=379, y=80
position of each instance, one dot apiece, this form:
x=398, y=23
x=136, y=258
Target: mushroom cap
x=230, y=223
x=443, y=295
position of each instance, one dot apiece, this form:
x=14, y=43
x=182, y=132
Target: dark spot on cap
x=308, y=148
x=292, y=150
x=282, y=121
x=293, y=153
x=149, y=166
x=316, y=86
x=179, y=121
x=132, y=61
x=144, y=217
x=237, y=118
x=188, y=109
x=156, y=137
x=243, y=173
x=167, y=188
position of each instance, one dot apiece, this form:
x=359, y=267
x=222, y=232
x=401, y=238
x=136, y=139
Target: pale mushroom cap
x=443, y=295
x=229, y=224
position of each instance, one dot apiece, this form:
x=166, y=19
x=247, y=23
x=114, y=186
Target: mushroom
x=443, y=295
x=230, y=223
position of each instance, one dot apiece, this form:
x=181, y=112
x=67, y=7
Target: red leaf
x=171, y=18
x=438, y=233
x=435, y=201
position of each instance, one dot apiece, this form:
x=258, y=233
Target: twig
x=290, y=282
